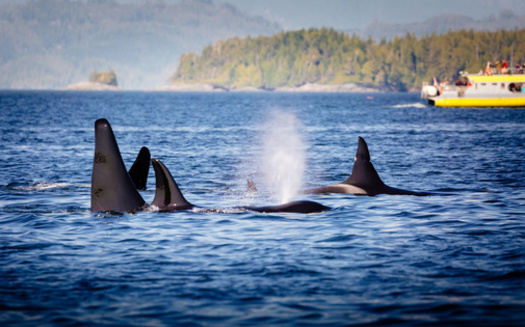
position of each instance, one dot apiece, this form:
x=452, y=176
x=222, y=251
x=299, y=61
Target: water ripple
x=454, y=258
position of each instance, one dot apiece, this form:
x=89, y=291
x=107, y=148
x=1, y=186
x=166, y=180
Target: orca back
x=294, y=206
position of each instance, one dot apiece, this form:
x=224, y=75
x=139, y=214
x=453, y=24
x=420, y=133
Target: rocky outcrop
x=92, y=86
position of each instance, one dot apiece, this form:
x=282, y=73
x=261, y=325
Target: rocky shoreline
x=320, y=88
x=206, y=87
x=306, y=88
x=92, y=86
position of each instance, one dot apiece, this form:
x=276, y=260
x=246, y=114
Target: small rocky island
x=98, y=81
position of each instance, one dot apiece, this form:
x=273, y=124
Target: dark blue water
x=387, y=260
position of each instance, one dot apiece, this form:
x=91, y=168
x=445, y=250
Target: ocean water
x=456, y=258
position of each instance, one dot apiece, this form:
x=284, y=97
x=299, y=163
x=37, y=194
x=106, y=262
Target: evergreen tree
x=325, y=56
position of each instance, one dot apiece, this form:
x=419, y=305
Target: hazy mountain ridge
x=52, y=43
x=356, y=15
x=504, y=20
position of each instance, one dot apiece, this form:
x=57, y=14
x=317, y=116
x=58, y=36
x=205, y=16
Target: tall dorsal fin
x=363, y=173
x=111, y=186
x=140, y=169
x=168, y=196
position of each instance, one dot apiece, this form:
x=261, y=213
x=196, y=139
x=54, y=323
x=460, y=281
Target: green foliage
x=108, y=78
x=326, y=56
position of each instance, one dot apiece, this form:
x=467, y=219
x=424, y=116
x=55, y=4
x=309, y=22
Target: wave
x=411, y=105
x=46, y=186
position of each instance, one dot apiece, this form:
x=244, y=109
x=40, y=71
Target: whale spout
x=113, y=189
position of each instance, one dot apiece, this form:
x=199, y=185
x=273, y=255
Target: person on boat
x=504, y=69
x=436, y=85
x=462, y=81
x=519, y=69
x=442, y=86
x=498, y=67
x=488, y=69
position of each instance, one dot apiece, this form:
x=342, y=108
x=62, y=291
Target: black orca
x=140, y=169
x=168, y=197
x=294, y=206
x=364, y=179
x=112, y=188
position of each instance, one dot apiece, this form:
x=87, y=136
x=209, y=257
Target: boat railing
x=510, y=71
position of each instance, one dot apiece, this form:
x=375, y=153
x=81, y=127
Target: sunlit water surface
x=457, y=258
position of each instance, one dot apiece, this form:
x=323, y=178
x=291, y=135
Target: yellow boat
x=502, y=90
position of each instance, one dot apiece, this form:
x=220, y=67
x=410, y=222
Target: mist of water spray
x=284, y=155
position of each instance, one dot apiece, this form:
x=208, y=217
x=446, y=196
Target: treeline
x=325, y=56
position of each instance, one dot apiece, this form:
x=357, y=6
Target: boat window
x=495, y=84
x=503, y=86
x=476, y=86
x=483, y=84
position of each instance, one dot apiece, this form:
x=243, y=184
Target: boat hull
x=514, y=102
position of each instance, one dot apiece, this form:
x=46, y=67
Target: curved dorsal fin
x=140, y=169
x=251, y=187
x=363, y=174
x=111, y=186
x=168, y=196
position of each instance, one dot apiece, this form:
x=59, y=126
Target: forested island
x=325, y=57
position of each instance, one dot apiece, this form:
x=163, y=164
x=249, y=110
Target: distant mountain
x=356, y=15
x=49, y=44
x=505, y=20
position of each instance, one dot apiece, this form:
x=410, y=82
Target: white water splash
x=411, y=105
x=284, y=155
x=41, y=186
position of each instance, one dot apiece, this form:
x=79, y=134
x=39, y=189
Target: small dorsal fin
x=140, y=169
x=363, y=174
x=111, y=186
x=168, y=196
x=251, y=187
